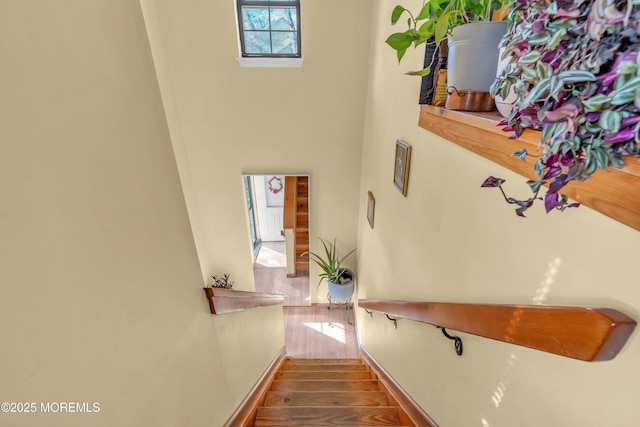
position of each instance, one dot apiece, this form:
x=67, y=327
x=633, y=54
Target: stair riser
x=314, y=362
x=324, y=368
x=329, y=385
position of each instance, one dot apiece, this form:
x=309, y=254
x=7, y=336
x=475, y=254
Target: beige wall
x=450, y=240
x=100, y=296
x=226, y=120
x=100, y=286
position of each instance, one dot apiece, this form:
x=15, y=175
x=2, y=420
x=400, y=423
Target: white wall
x=100, y=285
x=450, y=240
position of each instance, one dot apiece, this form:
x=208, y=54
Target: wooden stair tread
x=309, y=416
x=325, y=385
x=323, y=368
x=326, y=398
x=289, y=361
x=328, y=375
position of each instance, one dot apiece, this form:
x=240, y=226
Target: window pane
x=255, y=18
x=257, y=42
x=269, y=27
x=284, y=43
x=283, y=19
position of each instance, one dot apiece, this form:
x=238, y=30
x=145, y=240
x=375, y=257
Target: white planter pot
x=473, y=55
x=342, y=292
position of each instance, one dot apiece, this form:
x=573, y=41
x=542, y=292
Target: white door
x=270, y=206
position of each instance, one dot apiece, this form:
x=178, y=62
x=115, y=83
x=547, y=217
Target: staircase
x=328, y=392
x=296, y=222
x=302, y=224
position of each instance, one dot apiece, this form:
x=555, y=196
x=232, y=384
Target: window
x=269, y=28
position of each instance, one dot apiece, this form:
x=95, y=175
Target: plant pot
x=342, y=292
x=473, y=55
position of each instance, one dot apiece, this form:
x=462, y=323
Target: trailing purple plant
x=575, y=70
x=525, y=204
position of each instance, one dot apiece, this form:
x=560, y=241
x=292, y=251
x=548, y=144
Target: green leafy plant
x=575, y=71
x=222, y=282
x=330, y=263
x=436, y=19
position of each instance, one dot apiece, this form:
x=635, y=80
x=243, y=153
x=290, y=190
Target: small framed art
x=371, y=207
x=401, y=170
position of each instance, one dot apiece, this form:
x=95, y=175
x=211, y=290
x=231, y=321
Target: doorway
x=275, y=234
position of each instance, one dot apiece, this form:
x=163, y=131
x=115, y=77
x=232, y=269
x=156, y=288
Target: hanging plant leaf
x=596, y=102
x=610, y=120
x=537, y=91
x=423, y=72
x=529, y=58
x=396, y=14
x=555, y=39
x=621, y=98
x=573, y=76
x=522, y=153
x=492, y=182
x=400, y=42
x=540, y=38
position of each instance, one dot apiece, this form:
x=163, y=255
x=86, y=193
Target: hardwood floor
x=272, y=254
x=308, y=334
x=270, y=276
x=296, y=290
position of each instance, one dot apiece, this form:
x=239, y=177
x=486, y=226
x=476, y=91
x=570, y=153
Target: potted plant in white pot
x=340, y=280
x=473, y=40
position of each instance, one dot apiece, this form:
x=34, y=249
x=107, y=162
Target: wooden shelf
x=584, y=333
x=615, y=193
x=227, y=300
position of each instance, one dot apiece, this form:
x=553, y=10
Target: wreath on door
x=275, y=185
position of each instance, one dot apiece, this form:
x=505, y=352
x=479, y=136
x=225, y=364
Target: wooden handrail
x=227, y=300
x=584, y=333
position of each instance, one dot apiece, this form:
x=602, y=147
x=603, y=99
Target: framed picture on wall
x=401, y=170
x=371, y=206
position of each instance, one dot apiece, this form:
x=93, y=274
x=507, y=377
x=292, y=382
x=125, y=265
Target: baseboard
x=245, y=414
x=412, y=410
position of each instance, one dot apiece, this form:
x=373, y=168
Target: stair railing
x=227, y=300
x=583, y=333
